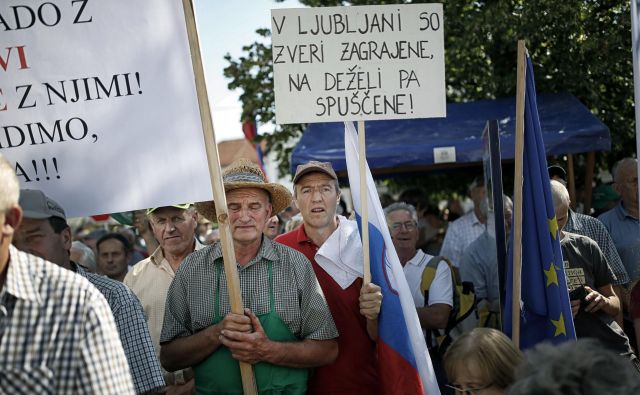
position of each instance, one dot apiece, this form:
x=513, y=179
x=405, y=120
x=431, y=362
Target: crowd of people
x=145, y=308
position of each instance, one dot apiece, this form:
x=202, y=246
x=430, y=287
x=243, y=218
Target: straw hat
x=243, y=173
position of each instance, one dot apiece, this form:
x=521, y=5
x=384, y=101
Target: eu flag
x=546, y=311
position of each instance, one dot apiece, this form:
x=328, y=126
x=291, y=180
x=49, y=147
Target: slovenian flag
x=403, y=359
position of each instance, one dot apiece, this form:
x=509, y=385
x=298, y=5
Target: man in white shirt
x=464, y=230
x=402, y=220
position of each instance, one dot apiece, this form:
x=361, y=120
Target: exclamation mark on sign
x=46, y=171
x=35, y=168
x=138, y=81
x=55, y=164
x=411, y=100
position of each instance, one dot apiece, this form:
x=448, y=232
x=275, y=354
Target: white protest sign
x=98, y=104
x=358, y=63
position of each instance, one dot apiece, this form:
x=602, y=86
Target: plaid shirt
x=299, y=300
x=57, y=333
x=133, y=330
x=594, y=229
x=460, y=233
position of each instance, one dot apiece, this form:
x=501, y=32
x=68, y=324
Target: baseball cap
x=36, y=205
x=557, y=170
x=180, y=206
x=314, y=166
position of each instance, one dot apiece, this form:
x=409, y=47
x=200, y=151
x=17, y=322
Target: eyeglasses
x=409, y=225
x=468, y=391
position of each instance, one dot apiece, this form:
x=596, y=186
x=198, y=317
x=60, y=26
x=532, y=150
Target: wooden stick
x=517, y=187
x=364, y=203
x=215, y=173
x=571, y=178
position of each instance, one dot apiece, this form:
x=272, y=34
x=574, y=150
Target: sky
x=225, y=27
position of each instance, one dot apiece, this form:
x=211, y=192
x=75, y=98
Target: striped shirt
x=132, y=328
x=594, y=229
x=57, y=333
x=299, y=300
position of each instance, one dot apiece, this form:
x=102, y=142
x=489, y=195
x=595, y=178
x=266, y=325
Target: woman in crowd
x=481, y=362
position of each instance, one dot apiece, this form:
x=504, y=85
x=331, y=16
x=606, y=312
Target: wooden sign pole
x=364, y=203
x=228, y=253
x=517, y=187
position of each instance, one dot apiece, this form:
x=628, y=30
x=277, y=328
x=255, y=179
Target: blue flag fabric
x=546, y=310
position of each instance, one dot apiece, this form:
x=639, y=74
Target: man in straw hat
x=286, y=327
x=332, y=243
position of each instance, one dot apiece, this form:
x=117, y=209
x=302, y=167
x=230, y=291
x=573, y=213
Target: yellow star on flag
x=553, y=226
x=552, y=275
x=560, y=328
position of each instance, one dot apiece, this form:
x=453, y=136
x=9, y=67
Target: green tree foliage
x=579, y=46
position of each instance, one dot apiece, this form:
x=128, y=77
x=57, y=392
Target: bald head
x=9, y=186
x=625, y=183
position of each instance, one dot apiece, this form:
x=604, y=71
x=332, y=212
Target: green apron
x=220, y=373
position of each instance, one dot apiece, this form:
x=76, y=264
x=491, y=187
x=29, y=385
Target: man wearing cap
x=174, y=227
x=58, y=335
x=45, y=233
x=332, y=244
x=467, y=228
x=286, y=327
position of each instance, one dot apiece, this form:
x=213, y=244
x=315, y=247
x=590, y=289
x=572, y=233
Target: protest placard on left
x=98, y=104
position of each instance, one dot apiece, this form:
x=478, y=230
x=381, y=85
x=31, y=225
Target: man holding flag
x=332, y=244
x=404, y=362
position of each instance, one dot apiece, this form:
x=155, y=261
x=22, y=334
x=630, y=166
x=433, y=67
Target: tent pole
x=588, y=181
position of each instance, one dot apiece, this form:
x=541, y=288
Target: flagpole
x=215, y=174
x=635, y=55
x=364, y=203
x=517, y=187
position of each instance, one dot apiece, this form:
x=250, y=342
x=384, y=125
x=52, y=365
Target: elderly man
x=114, y=252
x=286, y=327
x=586, y=266
x=45, y=233
x=591, y=227
x=402, y=220
x=174, y=227
x=622, y=220
x=467, y=228
x=479, y=265
x=58, y=334
x=332, y=244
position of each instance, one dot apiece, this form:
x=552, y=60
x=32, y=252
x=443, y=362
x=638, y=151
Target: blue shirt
x=479, y=265
x=625, y=232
